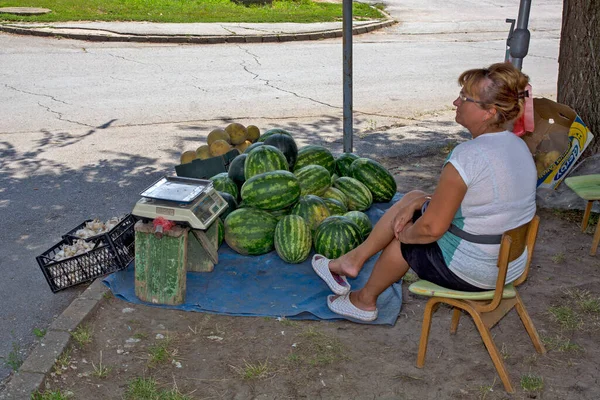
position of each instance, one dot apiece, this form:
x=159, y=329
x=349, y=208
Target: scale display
x=184, y=200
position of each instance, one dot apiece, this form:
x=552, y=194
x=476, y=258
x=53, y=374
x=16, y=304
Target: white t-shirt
x=501, y=180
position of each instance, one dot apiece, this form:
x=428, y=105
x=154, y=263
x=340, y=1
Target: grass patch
x=50, y=395
x=566, y=317
x=82, y=335
x=14, y=360
x=161, y=352
x=287, y=322
x=147, y=389
x=254, y=371
x=532, y=383
x=485, y=390
x=39, y=333
x=561, y=344
x=187, y=11
x=558, y=258
x=100, y=371
x=140, y=335
x=584, y=300
x=317, y=348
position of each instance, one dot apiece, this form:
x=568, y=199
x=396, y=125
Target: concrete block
x=73, y=315
x=21, y=385
x=95, y=291
x=44, y=355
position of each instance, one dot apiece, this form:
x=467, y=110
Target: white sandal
x=337, y=283
x=343, y=306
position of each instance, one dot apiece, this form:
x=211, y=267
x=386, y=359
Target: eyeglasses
x=464, y=98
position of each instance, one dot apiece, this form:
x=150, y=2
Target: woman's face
x=471, y=114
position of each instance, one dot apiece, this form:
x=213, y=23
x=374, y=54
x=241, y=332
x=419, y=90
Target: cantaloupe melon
x=243, y=146
x=237, y=133
x=218, y=134
x=253, y=133
x=203, y=152
x=187, y=156
x=219, y=147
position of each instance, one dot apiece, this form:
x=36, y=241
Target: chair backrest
x=514, y=242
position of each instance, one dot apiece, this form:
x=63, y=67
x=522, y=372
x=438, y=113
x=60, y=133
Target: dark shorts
x=428, y=263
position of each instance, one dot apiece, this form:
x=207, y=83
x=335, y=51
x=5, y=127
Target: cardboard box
x=558, y=140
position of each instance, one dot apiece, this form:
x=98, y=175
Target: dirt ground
x=203, y=356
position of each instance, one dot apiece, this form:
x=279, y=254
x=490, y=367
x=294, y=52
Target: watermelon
x=336, y=194
x=271, y=132
x=252, y=147
x=264, y=159
x=312, y=209
x=231, y=203
x=236, y=170
x=376, y=177
x=313, y=179
x=314, y=154
x=221, y=234
x=362, y=220
x=359, y=196
x=343, y=163
x=280, y=213
x=223, y=183
x=287, y=145
x=250, y=231
x=293, y=240
x=334, y=177
x=335, y=206
x=336, y=236
x=271, y=190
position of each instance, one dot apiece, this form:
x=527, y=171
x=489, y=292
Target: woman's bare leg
x=381, y=236
x=389, y=268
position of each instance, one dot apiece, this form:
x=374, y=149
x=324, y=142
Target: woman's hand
x=402, y=218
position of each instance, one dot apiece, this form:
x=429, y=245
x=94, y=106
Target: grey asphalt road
x=85, y=126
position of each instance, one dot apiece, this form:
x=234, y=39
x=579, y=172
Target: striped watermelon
x=336, y=194
x=293, y=240
x=313, y=179
x=334, y=177
x=359, y=196
x=221, y=234
x=280, y=213
x=335, y=206
x=264, y=159
x=376, y=177
x=314, y=154
x=312, y=209
x=271, y=190
x=271, y=132
x=362, y=220
x=231, y=204
x=336, y=236
x=250, y=231
x=236, y=170
x=223, y=183
x=343, y=162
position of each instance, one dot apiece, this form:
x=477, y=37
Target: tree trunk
x=579, y=64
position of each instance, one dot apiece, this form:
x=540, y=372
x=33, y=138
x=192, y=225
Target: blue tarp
x=264, y=286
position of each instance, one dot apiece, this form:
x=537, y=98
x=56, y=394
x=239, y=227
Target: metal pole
x=347, y=40
x=519, y=40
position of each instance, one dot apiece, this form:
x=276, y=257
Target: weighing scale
x=190, y=201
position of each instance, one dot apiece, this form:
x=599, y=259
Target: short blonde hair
x=500, y=86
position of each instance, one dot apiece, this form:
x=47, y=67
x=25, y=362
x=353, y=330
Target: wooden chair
x=588, y=188
x=488, y=307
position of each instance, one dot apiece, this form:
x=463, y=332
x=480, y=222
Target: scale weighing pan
x=177, y=189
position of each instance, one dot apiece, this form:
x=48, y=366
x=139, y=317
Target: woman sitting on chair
x=452, y=238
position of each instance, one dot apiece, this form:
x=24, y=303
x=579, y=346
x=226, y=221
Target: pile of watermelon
x=289, y=199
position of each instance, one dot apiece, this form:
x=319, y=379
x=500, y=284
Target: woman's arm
x=442, y=208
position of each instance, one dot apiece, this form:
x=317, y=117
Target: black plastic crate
x=85, y=267
x=121, y=238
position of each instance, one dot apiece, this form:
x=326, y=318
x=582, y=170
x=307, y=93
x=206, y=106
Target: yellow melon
x=218, y=134
x=187, y=156
x=203, y=152
x=243, y=146
x=237, y=133
x=219, y=147
x=253, y=133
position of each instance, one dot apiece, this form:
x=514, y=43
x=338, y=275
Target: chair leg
x=596, y=240
x=586, y=215
x=455, y=320
x=528, y=323
x=430, y=307
x=493, y=351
